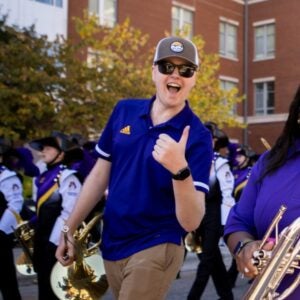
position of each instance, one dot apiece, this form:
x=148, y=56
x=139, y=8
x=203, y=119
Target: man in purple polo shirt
x=274, y=181
x=154, y=158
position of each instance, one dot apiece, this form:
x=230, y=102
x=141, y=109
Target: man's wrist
x=182, y=174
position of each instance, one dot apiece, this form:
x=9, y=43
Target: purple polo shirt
x=140, y=208
x=261, y=200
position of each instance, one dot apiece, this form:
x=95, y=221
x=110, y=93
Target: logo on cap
x=177, y=47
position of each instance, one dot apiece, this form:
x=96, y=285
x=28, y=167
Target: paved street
x=178, y=291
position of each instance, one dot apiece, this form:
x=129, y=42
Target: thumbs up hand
x=169, y=153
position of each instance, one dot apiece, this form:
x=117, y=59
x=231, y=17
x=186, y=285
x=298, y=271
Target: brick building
x=257, y=41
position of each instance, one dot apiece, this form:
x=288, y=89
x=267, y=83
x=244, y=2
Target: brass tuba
x=24, y=234
x=85, y=279
x=274, y=265
x=192, y=242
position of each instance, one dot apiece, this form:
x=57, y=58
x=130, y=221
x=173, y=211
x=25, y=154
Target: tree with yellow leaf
x=125, y=64
x=49, y=86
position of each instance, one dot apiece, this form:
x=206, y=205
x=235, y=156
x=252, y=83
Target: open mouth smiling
x=173, y=87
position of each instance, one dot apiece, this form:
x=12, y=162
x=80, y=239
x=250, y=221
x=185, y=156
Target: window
x=264, y=41
x=58, y=3
x=106, y=10
x=228, y=85
x=228, y=40
x=93, y=58
x=264, y=98
x=183, y=21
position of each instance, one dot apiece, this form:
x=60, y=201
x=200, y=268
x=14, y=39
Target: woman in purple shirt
x=274, y=181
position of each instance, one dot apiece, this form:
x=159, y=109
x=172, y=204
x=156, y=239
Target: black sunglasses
x=167, y=68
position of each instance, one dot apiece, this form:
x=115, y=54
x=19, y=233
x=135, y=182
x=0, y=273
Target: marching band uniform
x=218, y=202
x=11, y=201
x=57, y=191
x=240, y=180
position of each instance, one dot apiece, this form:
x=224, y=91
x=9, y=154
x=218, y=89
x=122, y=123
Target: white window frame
x=225, y=37
x=105, y=20
x=227, y=83
x=256, y=1
x=249, y=1
x=56, y=3
x=181, y=21
x=265, y=110
x=267, y=50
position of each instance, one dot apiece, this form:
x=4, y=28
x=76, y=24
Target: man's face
x=173, y=89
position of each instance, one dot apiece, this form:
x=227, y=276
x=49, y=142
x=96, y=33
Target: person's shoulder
x=67, y=173
x=220, y=161
x=198, y=127
x=131, y=106
x=133, y=102
x=7, y=173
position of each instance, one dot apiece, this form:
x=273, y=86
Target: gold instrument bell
x=85, y=279
x=24, y=234
x=193, y=242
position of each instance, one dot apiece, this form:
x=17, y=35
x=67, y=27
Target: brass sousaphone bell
x=85, y=279
x=25, y=234
x=193, y=242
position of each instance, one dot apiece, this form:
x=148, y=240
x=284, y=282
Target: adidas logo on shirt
x=125, y=130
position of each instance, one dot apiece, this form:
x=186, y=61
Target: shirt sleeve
x=12, y=190
x=241, y=217
x=69, y=189
x=105, y=142
x=199, y=156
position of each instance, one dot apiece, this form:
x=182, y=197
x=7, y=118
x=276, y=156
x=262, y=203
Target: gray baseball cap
x=176, y=47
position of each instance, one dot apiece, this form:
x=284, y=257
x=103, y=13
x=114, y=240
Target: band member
x=11, y=202
x=57, y=191
x=154, y=157
x=241, y=172
x=218, y=203
x=274, y=181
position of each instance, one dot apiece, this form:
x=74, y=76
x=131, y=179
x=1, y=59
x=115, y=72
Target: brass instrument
x=193, y=242
x=24, y=234
x=265, y=143
x=274, y=265
x=85, y=279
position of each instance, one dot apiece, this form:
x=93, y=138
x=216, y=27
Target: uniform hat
x=246, y=151
x=57, y=140
x=5, y=145
x=219, y=135
x=176, y=47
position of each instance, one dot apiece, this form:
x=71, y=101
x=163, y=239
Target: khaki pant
x=146, y=275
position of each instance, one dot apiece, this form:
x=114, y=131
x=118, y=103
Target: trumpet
x=85, y=279
x=193, y=243
x=273, y=266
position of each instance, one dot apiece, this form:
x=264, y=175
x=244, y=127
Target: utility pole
x=245, y=79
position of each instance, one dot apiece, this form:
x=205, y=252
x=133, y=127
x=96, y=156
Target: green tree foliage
x=28, y=76
x=119, y=64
